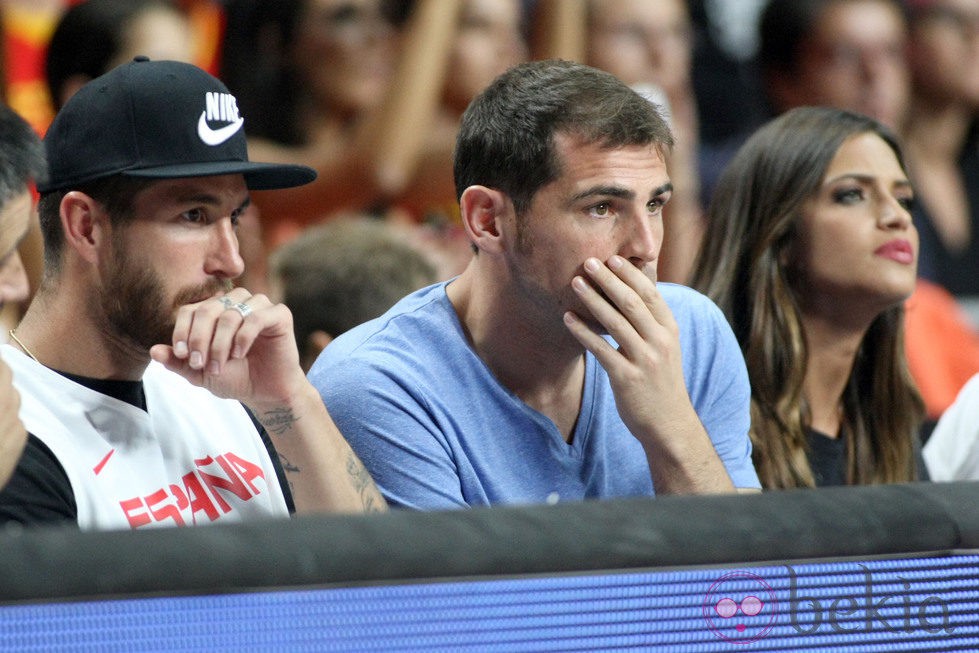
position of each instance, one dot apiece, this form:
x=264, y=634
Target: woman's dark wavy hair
x=753, y=216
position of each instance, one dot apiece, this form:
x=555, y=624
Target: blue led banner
x=868, y=604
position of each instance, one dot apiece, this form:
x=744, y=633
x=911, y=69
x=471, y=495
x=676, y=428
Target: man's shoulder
x=681, y=297
x=416, y=322
x=693, y=311
x=418, y=333
x=706, y=337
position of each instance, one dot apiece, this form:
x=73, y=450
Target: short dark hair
x=506, y=139
x=21, y=155
x=115, y=193
x=350, y=270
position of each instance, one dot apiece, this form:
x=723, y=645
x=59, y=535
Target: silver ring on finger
x=242, y=308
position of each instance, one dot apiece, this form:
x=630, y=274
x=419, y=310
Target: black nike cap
x=156, y=120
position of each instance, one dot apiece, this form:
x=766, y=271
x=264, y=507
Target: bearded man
x=151, y=388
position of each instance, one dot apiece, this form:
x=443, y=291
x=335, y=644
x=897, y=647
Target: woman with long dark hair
x=811, y=252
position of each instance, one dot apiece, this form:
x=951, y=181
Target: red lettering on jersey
x=247, y=470
x=232, y=483
x=169, y=503
x=130, y=506
x=165, y=511
x=180, y=496
x=199, y=499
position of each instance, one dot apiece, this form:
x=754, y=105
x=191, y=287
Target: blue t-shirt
x=437, y=430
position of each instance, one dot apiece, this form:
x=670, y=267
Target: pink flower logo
x=740, y=608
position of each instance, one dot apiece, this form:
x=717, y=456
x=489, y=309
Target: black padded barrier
x=42, y=563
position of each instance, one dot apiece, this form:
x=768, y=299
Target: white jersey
x=189, y=458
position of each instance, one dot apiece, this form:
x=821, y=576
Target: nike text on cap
x=156, y=120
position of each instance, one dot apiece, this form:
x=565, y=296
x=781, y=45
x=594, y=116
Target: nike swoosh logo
x=98, y=468
x=217, y=136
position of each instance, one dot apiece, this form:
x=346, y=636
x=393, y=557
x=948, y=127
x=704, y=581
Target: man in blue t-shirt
x=554, y=367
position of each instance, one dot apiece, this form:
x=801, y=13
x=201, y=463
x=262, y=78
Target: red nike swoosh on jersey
x=98, y=468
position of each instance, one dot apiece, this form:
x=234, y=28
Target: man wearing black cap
x=149, y=384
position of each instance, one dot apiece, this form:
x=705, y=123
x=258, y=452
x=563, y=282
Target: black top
x=827, y=458
x=39, y=491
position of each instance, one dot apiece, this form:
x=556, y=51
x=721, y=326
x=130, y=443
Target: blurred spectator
x=847, y=54
x=28, y=26
x=26, y=29
x=379, y=122
x=338, y=275
x=942, y=139
x=95, y=36
x=730, y=99
x=274, y=55
x=487, y=39
x=21, y=162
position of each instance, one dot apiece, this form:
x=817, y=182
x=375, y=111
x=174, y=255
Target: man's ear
x=85, y=224
x=483, y=212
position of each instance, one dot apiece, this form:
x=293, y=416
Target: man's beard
x=134, y=303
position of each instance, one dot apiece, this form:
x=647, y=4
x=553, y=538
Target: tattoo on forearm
x=287, y=465
x=279, y=420
x=363, y=483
